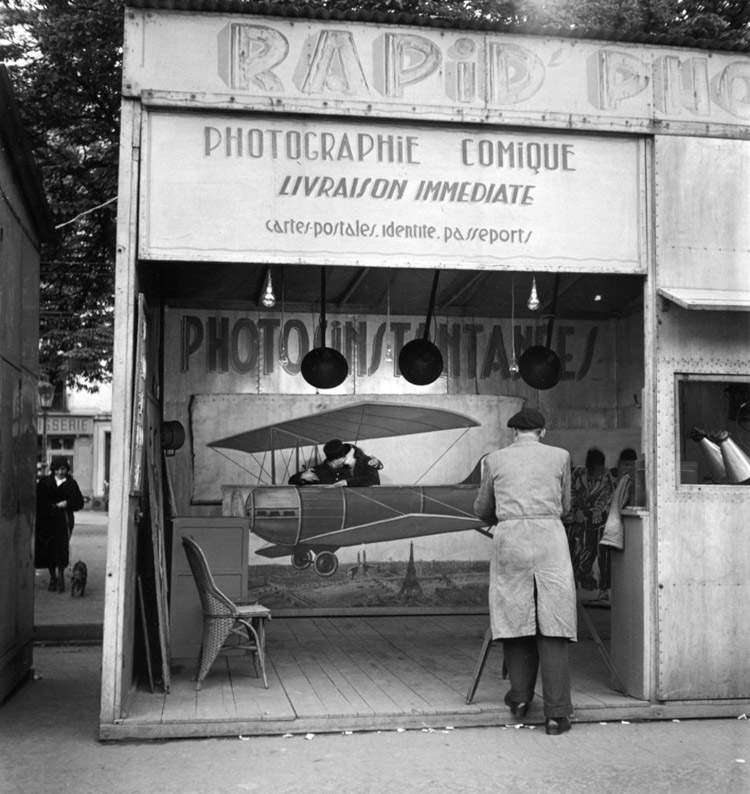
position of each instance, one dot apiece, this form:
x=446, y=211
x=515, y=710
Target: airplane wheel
x=302, y=559
x=326, y=563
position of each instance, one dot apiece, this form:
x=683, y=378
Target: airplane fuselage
x=331, y=517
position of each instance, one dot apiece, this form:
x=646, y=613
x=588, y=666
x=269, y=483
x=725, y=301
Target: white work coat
x=525, y=491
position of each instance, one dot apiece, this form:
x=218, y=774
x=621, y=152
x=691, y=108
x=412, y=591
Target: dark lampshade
x=540, y=367
x=172, y=435
x=420, y=362
x=324, y=368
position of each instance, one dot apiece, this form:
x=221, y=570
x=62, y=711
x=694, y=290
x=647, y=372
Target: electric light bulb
x=268, y=299
x=514, y=368
x=388, y=352
x=533, y=302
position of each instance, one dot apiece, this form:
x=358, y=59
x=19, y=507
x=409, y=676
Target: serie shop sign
x=63, y=425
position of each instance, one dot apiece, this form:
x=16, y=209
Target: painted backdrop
x=448, y=569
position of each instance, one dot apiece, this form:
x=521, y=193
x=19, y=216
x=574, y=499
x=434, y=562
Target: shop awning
x=731, y=300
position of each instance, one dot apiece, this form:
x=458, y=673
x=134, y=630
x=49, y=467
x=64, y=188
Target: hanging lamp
x=420, y=360
x=513, y=368
x=323, y=367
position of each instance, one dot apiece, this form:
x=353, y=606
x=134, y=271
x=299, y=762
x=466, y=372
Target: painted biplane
x=312, y=522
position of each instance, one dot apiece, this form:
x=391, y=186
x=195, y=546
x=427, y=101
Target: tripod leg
x=480, y=665
x=600, y=645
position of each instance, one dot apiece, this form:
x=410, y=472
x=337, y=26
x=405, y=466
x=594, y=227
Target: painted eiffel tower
x=410, y=588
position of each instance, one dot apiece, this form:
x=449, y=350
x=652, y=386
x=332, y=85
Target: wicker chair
x=223, y=618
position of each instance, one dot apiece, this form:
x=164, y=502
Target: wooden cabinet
x=225, y=543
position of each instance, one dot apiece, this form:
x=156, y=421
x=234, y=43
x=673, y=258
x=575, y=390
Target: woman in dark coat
x=57, y=496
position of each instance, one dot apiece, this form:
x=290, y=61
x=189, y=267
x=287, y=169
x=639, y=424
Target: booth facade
x=610, y=177
x=24, y=225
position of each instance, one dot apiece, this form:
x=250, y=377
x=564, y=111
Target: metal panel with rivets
x=702, y=239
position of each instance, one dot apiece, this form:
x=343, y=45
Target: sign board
x=269, y=189
x=225, y=351
x=349, y=68
x=66, y=425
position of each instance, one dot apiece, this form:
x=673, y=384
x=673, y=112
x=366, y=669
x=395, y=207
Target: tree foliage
x=723, y=22
x=64, y=57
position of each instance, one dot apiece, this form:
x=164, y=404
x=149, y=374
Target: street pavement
x=49, y=729
x=60, y=615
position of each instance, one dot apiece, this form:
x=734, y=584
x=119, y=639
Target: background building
x=81, y=431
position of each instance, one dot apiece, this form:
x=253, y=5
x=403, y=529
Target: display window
x=714, y=430
x=61, y=443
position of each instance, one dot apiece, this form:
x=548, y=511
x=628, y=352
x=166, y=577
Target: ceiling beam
x=382, y=299
x=353, y=285
x=467, y=285
x=547, y=305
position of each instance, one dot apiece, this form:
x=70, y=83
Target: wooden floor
x=358, y=673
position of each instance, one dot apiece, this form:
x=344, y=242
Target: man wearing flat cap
x=524, y=493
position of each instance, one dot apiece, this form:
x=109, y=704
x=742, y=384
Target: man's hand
x=374, y=462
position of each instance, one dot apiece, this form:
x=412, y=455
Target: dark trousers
x=523, y=658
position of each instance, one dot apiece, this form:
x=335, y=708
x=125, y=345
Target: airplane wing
x=286, y=551
x=407, y=525
x=275, y=551
x=364, y=420
x=410, y=525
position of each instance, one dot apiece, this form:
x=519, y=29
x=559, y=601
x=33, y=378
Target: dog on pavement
x=78, y=579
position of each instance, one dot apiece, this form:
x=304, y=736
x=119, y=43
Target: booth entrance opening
x=210, y=337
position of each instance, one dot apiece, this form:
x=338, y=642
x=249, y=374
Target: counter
x=631, y=605
x=225, y=543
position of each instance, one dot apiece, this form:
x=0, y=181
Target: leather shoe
x=516, y=709
x=554, y=726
